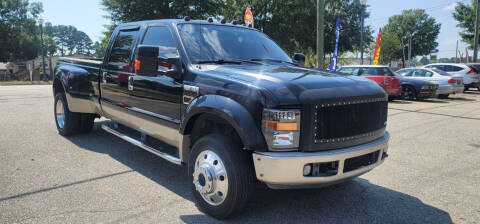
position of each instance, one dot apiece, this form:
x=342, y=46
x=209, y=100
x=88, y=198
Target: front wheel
x=221, y=176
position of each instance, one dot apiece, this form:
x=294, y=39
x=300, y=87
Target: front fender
x=232, y=112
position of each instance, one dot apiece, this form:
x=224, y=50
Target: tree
x=424, y=61
x=391, y=48
x=19, y=39
x=134, y=10
x=465, y=16
x=292, y=23
x=418, y=25
x=50, y=46
x=68, y=39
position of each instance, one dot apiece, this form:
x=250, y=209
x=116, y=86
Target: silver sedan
x=447, y=84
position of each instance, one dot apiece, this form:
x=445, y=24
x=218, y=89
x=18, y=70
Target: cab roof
x=183, y=21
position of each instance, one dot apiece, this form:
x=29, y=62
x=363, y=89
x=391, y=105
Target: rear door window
x=455, y=68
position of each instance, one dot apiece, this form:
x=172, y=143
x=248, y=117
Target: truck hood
x=296, y=85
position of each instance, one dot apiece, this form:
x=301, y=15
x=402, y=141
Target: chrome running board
x=140, y=144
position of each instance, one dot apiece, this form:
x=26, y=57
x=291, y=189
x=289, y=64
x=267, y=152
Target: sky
x=88, y=16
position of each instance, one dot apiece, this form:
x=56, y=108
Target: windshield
x=440, y=72
x=209, y=43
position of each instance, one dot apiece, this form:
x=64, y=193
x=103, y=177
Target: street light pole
x=40, y=21
x=362, y=3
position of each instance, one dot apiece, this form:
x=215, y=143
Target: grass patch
x=12, y=83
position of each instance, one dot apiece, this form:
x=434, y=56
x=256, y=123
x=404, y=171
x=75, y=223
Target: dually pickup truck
x=227, y=102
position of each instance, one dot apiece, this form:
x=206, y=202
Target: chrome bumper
x=285, y=169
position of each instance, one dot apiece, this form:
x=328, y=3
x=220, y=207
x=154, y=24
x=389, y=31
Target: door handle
x=130, y=83
x=104, y=77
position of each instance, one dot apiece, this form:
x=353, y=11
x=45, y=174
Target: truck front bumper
x=280, y=170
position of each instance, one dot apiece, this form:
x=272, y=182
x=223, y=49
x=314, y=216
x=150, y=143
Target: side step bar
x=140, y=144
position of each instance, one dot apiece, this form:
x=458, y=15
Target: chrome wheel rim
x=210, y=177
x=60, y=114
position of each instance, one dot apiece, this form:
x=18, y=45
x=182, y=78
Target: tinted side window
x=162, y=37
x=418, y=73
x=349, y=70
x=428, y=74
x=405, y=73
x=455, y=68
x=122, y=50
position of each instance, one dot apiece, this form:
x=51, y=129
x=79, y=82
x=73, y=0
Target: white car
x=471, y=79
x=447, y=83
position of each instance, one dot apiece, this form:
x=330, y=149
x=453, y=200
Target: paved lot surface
x=431, y=176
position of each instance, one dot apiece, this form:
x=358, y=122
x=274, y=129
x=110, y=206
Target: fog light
x=307, y=169
x=283, y=139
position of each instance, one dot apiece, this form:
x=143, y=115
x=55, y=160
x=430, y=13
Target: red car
x=383, y=75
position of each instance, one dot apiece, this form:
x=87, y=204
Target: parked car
x=447, y=84
x=471, y=79
x=380, y=74
x=228, y=103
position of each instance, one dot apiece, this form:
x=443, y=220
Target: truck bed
x=91, y=62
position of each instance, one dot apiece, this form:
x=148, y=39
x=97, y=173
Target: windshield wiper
x=219, y=61
x=270, y=59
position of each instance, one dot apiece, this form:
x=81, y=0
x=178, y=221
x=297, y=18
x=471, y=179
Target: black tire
x=391, y=98
x=443, y=96
x=408, y=93
x=240, y=175
x=71, y=121
x=86, y=122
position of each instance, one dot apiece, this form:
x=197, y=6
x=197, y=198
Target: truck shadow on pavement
x=355, y=201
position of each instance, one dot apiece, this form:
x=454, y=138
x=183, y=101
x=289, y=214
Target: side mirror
x=148, y=63
x=299, y=59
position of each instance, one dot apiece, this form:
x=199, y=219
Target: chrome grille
x=349, y=120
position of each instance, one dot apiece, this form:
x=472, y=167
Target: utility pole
x=40, y=21
x=410, y=51
x=456, y=54
x=477, y=21
x=362, y=3
x=320, y=33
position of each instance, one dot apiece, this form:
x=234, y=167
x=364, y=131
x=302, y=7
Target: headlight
x=281, y=129
x=425, y=87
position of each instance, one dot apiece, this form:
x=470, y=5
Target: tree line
x=292, y=24
x=20, y=34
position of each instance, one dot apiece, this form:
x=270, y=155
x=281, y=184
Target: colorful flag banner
x=248, y=17
x=378, y=47
x=460, y=53
x=333, y=63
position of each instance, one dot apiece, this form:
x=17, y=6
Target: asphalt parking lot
x=431, y=176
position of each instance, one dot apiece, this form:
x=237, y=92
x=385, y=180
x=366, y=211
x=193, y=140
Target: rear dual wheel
x=69, y=123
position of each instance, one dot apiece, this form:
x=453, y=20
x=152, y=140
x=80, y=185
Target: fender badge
x=189, y=93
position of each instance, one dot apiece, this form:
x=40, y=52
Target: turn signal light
x=281, y=126
x=137, y=65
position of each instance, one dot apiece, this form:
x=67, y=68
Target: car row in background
x=395, y=85
x=447, y=84
x=470, y=72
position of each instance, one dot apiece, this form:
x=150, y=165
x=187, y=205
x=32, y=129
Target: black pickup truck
x=226, y=101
